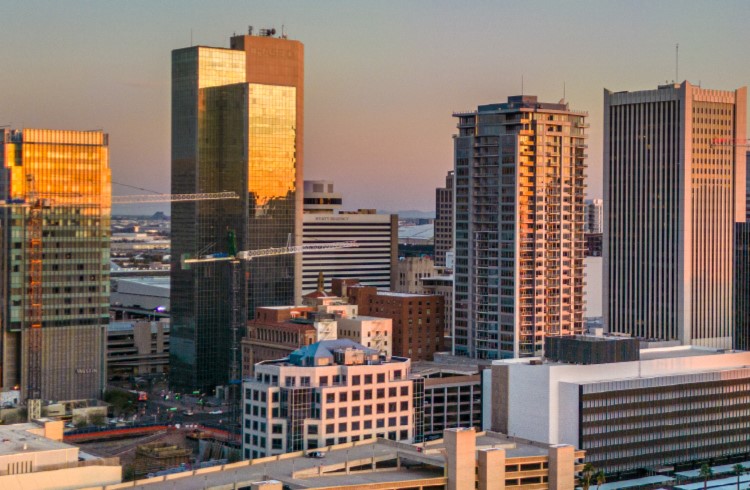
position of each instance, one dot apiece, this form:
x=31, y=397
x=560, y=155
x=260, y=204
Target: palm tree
x=600, y=479
x=586, y=474
x=738, y=470
x=705, y=472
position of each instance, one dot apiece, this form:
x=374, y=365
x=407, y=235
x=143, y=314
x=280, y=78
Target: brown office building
x=274, y=334
x=417, y=319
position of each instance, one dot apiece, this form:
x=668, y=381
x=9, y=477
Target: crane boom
x=147, y=198
x=266, y=252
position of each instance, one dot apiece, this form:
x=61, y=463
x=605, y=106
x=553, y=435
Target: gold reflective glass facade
x=229, y=134
x=70, y=173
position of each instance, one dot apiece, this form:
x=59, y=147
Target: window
x=381, y=407
x=355, y=425
x=355, y=379
x=404, y=391
x=404, y=420
x=342, y=427
x=330, y=441
x=277, y=429
x=381, y=377
x=404, y=405
x=330, y=428
x=381, y=423
x=355, y=411
x=324, y=381
x=391, y=421
x=330, y=397
x=368, y=409
x=392, y=392
x=355, y=396
x=368, y=394
x=381, y=392
x=368, y=424
x=289, y=381
x=392, y=407
x=276, y=444
x=368, y=379
x=330, y=413
x=275, y=397
x=312, y=429
x=342, y=411
x=343, y=396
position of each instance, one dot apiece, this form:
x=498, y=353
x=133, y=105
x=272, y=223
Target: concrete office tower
x=444, y=221
x=672, y=196
x=237, y=126
x=593, y=217
x=373, y=261
x=69, y=172
x=519, y=170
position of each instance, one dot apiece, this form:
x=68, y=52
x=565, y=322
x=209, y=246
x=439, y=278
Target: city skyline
x=382, y=81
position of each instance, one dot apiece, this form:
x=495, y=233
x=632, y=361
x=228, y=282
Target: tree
x=600, y=479
x=586, y=475
x=705, y=472
x=97, y=419
x=738, y=470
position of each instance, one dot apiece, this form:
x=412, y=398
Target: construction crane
x=33, y=315
x=234, y=258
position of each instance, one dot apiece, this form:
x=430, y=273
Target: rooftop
x=16, y=439
x=423, y=465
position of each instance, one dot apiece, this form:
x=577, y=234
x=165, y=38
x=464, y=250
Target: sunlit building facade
x=519, y=214
x=674, y=186
x=68, y=173
x=236, y=126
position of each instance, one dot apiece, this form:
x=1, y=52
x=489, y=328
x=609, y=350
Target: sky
x=382, y=79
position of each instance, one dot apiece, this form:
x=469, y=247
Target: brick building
x=418, y=319
x=275, y=333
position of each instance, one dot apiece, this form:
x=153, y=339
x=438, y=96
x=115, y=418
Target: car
x=316, y=454
x=215, y=412
x=187, y=412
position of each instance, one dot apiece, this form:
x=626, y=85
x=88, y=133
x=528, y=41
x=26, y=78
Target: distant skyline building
x=69, y=171
x=671, y=200
x=374, y=259
x=237, y=125
x=519, y=244
x=444, y=222
x=594, y=216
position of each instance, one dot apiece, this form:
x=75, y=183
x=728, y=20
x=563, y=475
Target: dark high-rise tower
x=237, y=125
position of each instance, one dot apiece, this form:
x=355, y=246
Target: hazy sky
x=382, y=77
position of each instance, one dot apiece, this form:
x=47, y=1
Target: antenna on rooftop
x=677, y=63
x=521, y=84
x=191, y=36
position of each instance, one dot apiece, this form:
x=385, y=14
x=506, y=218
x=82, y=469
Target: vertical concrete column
x=562, y=467
x=491, y=464
x=460, y=447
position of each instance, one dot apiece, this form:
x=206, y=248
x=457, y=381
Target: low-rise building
x=675, y=405
x=33, y=456
x=442, y=286
x=135, y=348
x=463, y=460
x=330, y=392
x=417, y=319
x=446, y=398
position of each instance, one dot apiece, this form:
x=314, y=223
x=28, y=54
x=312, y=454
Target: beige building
x=375, y=333
x=463, y=460
x=409, y=273
x=34, y=456
x=330, y=392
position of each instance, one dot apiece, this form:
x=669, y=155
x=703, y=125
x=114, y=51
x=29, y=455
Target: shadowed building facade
x=672, y=195
x=237, y=125
x=69, y=172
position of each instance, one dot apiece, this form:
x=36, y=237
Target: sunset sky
x=382, y=77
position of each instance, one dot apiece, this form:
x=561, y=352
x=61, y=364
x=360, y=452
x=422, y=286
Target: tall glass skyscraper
x=237, y=125
x=519, y=184
x=674, y=186
x=68, y=171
